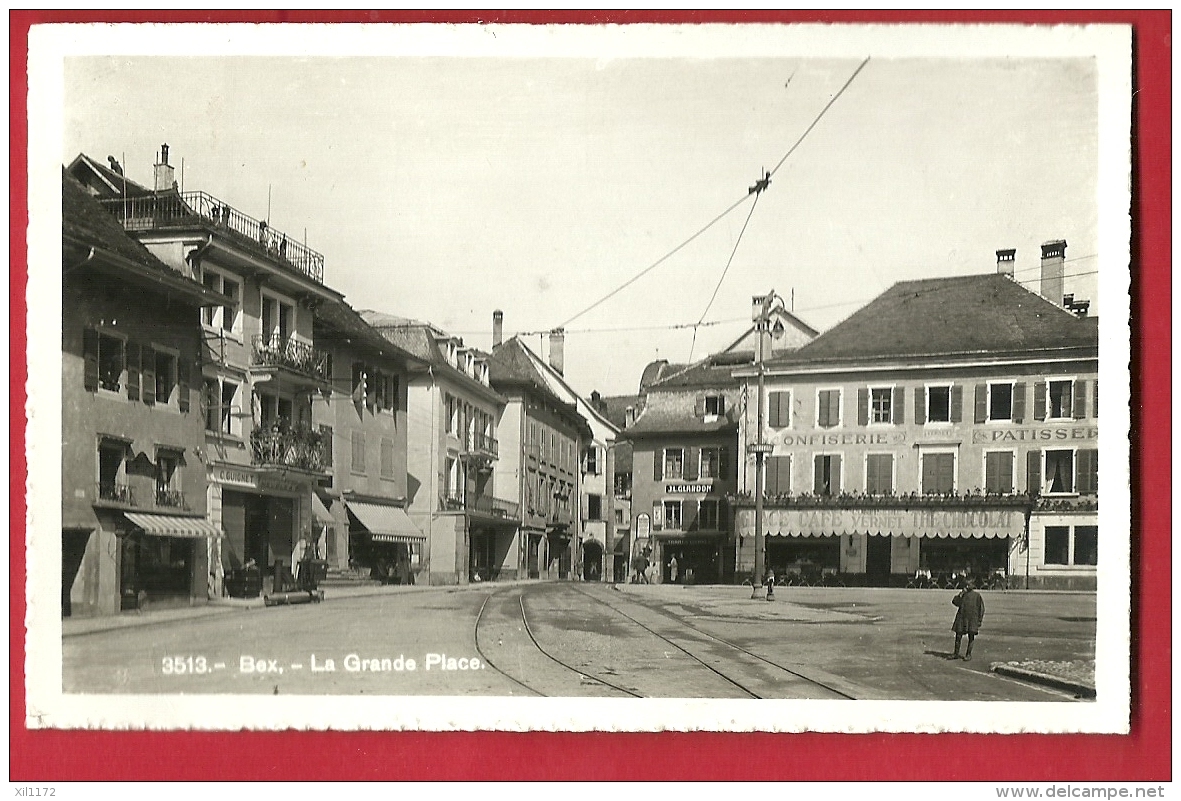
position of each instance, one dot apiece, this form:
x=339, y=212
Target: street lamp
x=761, y=308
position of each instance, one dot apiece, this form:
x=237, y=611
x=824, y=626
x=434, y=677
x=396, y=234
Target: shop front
x=688, y=559
x=162, y=560
x=557, y=552
x=384, y=540
x=492, y=556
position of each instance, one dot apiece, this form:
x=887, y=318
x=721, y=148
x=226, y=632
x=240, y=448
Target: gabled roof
x=973, y=314
x=103, y=180
x=712, y=372
x=615, y=408
x=511, y=366
x=557, y=382
x=349, y=325
x=676, y=413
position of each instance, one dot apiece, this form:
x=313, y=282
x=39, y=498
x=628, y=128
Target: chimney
x=497, y=328
x=629, y=416
x=557, y=350
x=164, y=173
x=1053, y=256
x=1005, y=260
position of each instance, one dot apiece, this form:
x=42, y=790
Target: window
x=938, y=404
x=715, y=405
x=168, y=479
x=881, y=405
x=387, y=458
x=1086, y=471
x=450, y=412
x=779, y=409
x=998, y=472
x=112, y=476
x=224, y=318
x=277, y=320
x=879, y=473
x=618, y=517
x=358, y=460
x=1057, y=545
x=210, y=400
x=165, y=363
x=1086, y=545
x=938, y=473
x=594, y=507
x=1000, y=402
x=1059, y=395
x=711, y=463
x=1059, y=472
x=828, y=408
x=229, y=403
x=590, y=460
x=1061, y=548
x=674, y=462
x=707, y=515
x=672, y=514
x=777, y=478
x=110, y=362
x=827, y=475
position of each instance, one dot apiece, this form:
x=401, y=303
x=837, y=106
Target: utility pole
x=761, y=312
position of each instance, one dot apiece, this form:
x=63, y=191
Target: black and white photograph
x=580, y=377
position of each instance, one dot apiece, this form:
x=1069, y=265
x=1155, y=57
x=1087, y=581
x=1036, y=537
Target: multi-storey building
x=259, y=367
x=452, y=448
x=364, y=509
x=948, y=426
x=619, y=410
x=543, y=437
x=133, y=483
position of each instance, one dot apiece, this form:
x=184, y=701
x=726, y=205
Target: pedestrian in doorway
x=968, y=618
x=672, y=569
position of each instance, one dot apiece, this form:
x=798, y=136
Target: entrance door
x=532, y=557
x=73, y=551
x=592, y=560
x=257, y=525
x=877, y=561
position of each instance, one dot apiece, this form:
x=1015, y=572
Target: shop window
x=1059, y=395
x=938, y=473
x=674, y=463
x=672, y=515
x=168, y=485
x=879, y=474
x=1000, y=402
x=1059, y=472
x=881, y=402
x=939, y=404
x=387, y=458
x=1086, y=545
x=594, y=507
x=1057, y=545
x=828, y=408
x=707, y=515
x=998, y=472
x=711, y=462
x=827, y=475
x=358, y=460
x=112, y=471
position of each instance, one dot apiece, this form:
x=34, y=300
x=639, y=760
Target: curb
x=1057, y=682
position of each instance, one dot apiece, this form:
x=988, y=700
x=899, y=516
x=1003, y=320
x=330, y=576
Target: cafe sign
x=970, y=523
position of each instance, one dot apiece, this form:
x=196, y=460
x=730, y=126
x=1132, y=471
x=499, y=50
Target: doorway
x=877, y=561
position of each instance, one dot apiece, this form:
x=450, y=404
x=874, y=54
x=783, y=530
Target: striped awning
x=320, y=511
x=940, y=524
x=171, y=526
x=385, y=523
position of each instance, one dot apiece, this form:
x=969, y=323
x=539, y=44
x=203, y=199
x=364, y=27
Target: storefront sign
x=687, y=489
x=976, y=523
x=238, y=477
x=812, y=440
x=1054, y=434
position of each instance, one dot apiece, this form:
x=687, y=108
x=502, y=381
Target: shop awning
x=385, y=523
x=320, y=511
x=926, y=522
x=170, y=526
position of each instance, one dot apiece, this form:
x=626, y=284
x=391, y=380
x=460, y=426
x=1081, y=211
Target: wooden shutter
x=920, y=405
x=380, y=389
x=182, y=384
x=1039, y=400
x=1095, y=398
x=773, y=411
x=863, y=406
x=1087, y=471
x=723, y=462
x=699, y=406
x=930, y=474
x=657, y=464
x=1019, y=403
x=133, y=371
x=1033, y=472
x=785, y=409
x=1005, y=472
x=947, y=472
x=981, y=403
x=688, y=514
x=721, y=405
x=771, y=475
x=834, y=474
x=90, y=359
x=818, y=475
x=692, y=461
x=657, y=515
x=148, y=374
x=1080, y=399
x=957, y=403
x=899, y=402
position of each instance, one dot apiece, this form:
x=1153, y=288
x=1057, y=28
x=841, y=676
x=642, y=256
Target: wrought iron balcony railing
x=172, y=209
x=493, y=506
x=170, y=498
x=115, y=492
x=482, y=444
x=273, y=350
x=281, y=445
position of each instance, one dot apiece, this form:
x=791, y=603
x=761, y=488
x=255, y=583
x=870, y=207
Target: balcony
x=170, y=499
x=509, y=510
x=178, y=209
x=274, y=350
x=282, y=445
x=482, y=445
x=115, y=492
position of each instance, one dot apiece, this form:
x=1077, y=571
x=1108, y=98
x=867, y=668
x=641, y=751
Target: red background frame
x=47, y=756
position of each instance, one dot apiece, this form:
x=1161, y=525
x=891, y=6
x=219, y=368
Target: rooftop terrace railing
x=171, y=209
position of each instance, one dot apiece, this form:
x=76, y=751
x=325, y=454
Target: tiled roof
x=943, y=316
x=614, y=408
x=342, y=317
x=84, y=219
x=709, y=373
x=511, y=366
x=116, y=185
x=676, y=412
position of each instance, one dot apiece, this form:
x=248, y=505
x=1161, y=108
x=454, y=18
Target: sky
x=443, y=188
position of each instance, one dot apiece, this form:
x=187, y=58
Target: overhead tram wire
x=729, y=261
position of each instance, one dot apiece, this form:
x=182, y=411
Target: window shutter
x=1006, y=472
x=699, y=406
x=929, y=473
x=785, y=409
x=863, y=406
x=90, y=359
x=1095, y=398
x=992, y=466
x=826, y=411
x=947, y=472
x=835, y=474
x=688, y=514
x=920, y=405
x=133, y=371
x=380, y=389
x=1039, y=400
x=981, y=403
x=1019, y=403
x=1087, y=467
x=692, y=462
x=182, y=385
x=1033, y=472
x=773, y=411
x=818, y=475
x=899, y=402
x=657, y=464
x=957, y=403
x=721, y=405
x=723, y=462
x=148, y=374
x=1080, y=399
x=657, y=515
x=771, y=475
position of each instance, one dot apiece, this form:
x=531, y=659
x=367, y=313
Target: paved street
x=562, y=639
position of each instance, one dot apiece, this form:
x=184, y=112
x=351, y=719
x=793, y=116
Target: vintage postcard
x=548, y=377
